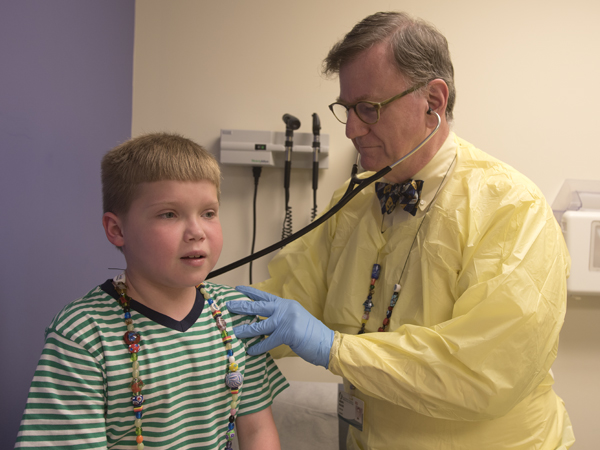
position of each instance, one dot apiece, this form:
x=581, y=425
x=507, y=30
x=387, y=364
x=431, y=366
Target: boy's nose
x=194, y=231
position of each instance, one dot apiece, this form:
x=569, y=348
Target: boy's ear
x=113, y=229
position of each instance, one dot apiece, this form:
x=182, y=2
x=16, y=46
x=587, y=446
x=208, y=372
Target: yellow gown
x=466, y=363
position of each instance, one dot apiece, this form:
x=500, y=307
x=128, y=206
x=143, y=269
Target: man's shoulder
x=486, y=175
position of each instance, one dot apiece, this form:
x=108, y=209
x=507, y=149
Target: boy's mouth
x=193, y=257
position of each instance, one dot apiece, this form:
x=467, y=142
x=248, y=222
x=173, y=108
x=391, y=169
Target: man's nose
x=354, y=126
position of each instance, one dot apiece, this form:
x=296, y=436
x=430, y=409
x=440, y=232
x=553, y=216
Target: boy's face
x=172, y=234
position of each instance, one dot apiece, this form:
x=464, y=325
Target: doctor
x=439, y=300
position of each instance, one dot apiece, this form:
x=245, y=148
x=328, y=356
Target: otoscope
x=350, y=193
x=291, y=124
x=316, y=145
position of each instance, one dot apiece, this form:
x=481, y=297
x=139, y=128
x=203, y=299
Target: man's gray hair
x=420, y=50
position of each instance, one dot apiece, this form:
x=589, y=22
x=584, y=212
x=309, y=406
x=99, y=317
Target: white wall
x=525, y=75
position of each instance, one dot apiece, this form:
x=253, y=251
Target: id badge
x=351, y=409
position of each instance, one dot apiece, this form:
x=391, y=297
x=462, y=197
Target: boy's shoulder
x=87, y=310
x=223, y=294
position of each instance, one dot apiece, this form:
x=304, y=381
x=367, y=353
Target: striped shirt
x=80, y=396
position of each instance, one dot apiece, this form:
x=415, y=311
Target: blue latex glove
x=287, y=323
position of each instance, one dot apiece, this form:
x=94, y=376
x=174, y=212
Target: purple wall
x=66, y=70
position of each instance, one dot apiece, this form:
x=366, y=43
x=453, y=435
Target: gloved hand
x=287, y=323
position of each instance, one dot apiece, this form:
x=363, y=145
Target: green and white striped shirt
x=80, y=396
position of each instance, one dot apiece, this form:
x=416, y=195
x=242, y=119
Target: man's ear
x=437, y=96
x=113, y=227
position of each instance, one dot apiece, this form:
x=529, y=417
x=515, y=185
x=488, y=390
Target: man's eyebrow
x=359, y=99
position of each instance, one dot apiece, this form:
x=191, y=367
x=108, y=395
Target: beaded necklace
x=233, y=378
x=376, y=271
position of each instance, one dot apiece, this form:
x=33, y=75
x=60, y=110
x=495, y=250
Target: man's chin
x=372, y=166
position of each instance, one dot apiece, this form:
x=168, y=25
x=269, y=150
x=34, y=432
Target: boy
x=148, y=359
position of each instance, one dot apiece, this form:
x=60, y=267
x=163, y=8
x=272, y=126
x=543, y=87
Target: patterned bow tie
x=406, y=194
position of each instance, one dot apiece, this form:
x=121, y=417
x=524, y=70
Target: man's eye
x=366, y=108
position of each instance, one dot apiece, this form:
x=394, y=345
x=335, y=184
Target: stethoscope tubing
x=355, y=186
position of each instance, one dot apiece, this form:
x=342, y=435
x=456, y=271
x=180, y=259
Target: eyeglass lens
x=365, y=111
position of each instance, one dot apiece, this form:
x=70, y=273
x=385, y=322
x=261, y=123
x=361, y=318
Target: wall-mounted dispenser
x=267, y=148
x=577, y=209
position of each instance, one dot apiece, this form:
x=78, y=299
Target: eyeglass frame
x=377, y=105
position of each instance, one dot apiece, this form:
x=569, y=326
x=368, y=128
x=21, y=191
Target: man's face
x=373, y=76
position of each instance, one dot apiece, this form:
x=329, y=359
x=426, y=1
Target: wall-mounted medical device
x=577, y=209
x=267, y=148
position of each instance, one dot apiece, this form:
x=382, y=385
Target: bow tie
x=405, y=194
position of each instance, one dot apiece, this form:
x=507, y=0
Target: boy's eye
x=210, y=214
x=168, y=215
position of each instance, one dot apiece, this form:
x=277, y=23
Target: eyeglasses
x=368, y=112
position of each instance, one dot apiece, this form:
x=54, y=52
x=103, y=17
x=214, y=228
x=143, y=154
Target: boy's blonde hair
x=153, y=157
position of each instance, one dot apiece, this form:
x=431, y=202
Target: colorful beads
x=221, y=325
x=132, y=340
x=368, y=304
x=376, y=271
x=136, y=385
x=233, y=379
x=134, y=348
x=137, y=400
x=131, y=337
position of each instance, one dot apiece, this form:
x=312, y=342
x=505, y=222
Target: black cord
x=286, y=230
x=350, y=193
x=287, y=223
x=316, y=145
x=256, y=171
x=313, y=213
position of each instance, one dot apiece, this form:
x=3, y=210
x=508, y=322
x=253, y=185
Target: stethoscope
x=354, y=187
